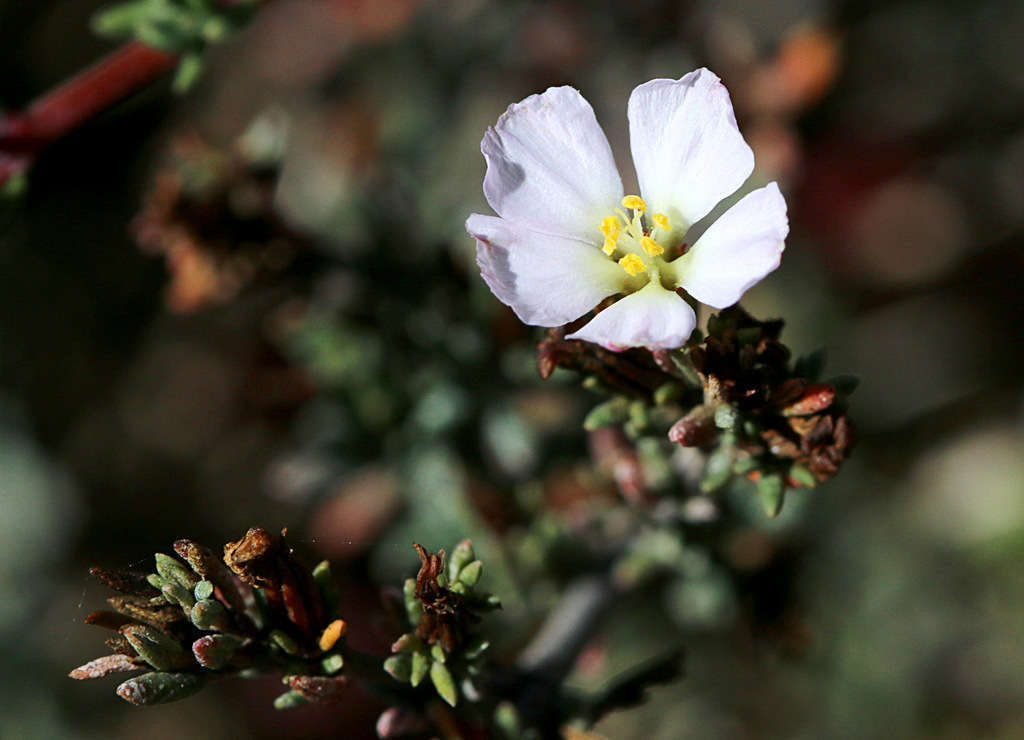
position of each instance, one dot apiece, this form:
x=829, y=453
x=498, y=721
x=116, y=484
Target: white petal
x=549, y=165
x=737, y=250
x=687, y=149
x=547, y=280
x=652, y=317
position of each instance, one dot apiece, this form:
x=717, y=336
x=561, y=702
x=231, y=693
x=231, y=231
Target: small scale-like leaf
x=470, y=574
x=419, y=667
x=399, y=667
x=203, y=590
x=159, y=687
x=462, y=555
x=615, y=411
x=773, y=493
x=290, y=700
x=442, y=680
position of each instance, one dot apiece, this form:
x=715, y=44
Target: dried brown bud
x=264, y=560
x=634, y=371
x=696, y=429
x=217, y=234
x=813, y=398
x=104, y=666
x=125, y=581
x=446, y=619
x=320, y=689
x=232, y=590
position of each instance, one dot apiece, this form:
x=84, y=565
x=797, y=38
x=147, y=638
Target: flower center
x=635, y=248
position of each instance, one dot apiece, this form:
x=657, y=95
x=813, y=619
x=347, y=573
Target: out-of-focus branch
x=24, y=134
x=568, y=628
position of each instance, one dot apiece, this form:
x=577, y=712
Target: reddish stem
x=67, y=106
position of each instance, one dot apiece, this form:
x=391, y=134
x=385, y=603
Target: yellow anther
x=660, y=220
x=635, y=202
x=332, y=633
x=652, y=247
x=610, y=242
x=610, y=225
x=632, y=264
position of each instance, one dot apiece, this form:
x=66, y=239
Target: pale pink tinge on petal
x=547, y=280
x=549, y=165
x=653, y=317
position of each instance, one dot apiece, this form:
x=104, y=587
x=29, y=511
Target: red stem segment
x=70, y=104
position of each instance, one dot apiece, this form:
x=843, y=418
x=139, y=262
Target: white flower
x=565, y=238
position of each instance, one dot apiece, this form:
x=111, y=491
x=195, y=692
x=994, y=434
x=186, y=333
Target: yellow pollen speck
x=652, y=247
x=635, y=202
x=660, y=220
x=610, y=225
x=332, y=633
x=632, y=264
x=609, y=243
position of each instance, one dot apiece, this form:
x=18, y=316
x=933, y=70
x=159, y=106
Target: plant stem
x=59, y=111
x=569, y=626
x=550, y=656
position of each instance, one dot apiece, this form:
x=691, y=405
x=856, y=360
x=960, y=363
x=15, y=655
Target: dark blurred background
x=164, y=375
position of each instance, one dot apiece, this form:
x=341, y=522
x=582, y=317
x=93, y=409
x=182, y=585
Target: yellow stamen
x=632, y=264
x=609, y=243
x=635, y=202
x=610, y=225
x=660, y=220
x=652, y=247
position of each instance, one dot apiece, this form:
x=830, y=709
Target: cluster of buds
x=734, y=394
x=441, y=606
x=256, y=610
